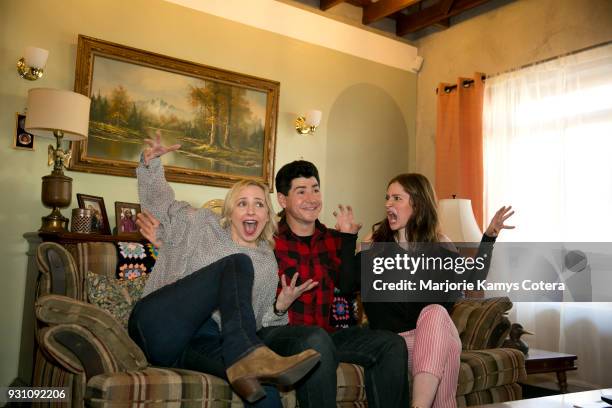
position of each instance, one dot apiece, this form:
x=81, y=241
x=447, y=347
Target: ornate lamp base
x=56, y=194
x=54, y=222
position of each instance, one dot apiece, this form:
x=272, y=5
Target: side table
x=542, y=361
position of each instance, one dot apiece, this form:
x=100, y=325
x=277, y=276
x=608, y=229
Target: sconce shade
x=49, y=110
x=35, y=57
x=313, y=118
x=457, y=220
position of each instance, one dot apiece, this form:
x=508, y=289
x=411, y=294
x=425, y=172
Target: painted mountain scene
x=219, y=126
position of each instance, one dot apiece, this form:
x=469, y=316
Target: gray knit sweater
x=194, y=238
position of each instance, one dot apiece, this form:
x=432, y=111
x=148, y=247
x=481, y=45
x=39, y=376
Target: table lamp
x=63, y=115
x=457, y=220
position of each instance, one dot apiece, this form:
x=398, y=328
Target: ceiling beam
x=442, y=24
x=384, y=8
x=327, y=4
x=434, y=14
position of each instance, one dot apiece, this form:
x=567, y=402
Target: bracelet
x=276, y=311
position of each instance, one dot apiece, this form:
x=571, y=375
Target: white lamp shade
x=457, y=220
x=35, y=57
x=313, y=117
x=54, y=109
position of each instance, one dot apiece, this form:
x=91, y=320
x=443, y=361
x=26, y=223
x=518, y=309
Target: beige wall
x=345, y=88
x=508, y=37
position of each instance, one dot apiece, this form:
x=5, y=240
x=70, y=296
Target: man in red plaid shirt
x=314, y=260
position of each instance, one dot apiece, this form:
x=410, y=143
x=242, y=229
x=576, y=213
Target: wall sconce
x=32, y=65
x=308, y=124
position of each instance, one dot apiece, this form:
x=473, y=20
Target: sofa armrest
x=482, y=324
x=101, y=331
x=489, y=368
x=77, y=350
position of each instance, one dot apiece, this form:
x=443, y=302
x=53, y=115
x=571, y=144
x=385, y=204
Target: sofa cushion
x=116, y=296
x=484, y=369
x=153, y=385
x=97, y=257
x=163, y=386
x=478, y=320
x=508, y=392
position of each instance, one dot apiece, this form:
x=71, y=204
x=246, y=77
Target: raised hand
x=289, y=293
x=156, y=149
x=345, y=221
x=497, y=222
x=148, y=226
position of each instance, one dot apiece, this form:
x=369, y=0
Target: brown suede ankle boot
x=264, y=365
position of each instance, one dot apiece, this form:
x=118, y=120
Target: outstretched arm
x=485, y=250
x=346, y=225
x=156, y=195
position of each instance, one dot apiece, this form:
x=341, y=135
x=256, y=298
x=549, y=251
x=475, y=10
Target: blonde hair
x=267, y=234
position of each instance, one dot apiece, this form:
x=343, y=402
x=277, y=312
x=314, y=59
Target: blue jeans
x=164, y=322
x=318, y=388
x=384, y=356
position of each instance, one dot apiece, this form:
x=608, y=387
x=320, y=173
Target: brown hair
x=423, y=225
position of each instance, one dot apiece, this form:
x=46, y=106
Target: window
x=547, y=133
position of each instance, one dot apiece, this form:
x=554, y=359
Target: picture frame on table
x=224, y=121
x=125, y=219
x=99, y=223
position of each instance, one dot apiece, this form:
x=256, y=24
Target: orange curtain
x=459, y=168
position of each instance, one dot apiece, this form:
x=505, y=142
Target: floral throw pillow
x=115, y=296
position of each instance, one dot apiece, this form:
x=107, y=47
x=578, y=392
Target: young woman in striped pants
x=433, y=343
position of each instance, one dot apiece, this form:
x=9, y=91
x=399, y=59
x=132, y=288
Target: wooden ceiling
x=410, y=15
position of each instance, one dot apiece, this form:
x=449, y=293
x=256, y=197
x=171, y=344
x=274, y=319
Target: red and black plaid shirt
x=319, y=261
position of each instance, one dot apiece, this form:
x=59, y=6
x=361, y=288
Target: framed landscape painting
x=225, y=122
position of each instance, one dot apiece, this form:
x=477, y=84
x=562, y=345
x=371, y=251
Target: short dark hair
x=293, y=170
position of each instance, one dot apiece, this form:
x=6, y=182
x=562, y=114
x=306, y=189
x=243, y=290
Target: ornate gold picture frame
x=224, y=121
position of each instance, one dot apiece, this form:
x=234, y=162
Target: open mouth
x=392, y=217
x=250, y=227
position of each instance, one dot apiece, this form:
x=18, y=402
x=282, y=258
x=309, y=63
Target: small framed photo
x=125, y=216
x=22, y=139
x=99, y=223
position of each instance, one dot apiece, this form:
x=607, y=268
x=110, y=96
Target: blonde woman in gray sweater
x=213, y=271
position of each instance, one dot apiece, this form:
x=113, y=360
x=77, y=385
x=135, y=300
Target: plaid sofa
x=83, y=347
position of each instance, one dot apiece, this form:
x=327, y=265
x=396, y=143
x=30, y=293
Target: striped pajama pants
x=434, y=347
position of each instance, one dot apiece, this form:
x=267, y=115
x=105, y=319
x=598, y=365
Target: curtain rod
x=590, y=47
x=468, y=82
x=465, y=83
